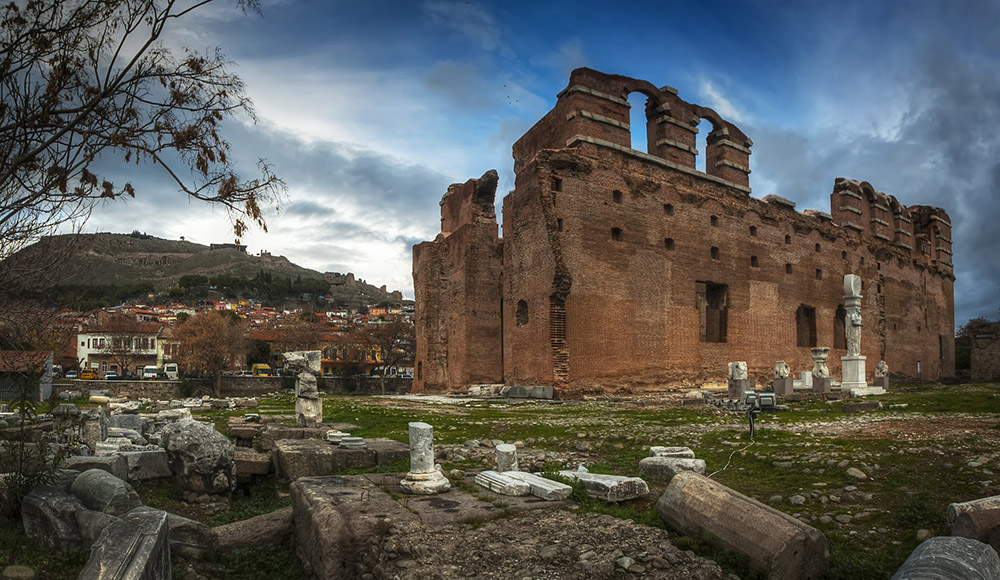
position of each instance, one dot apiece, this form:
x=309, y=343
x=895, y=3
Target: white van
x=172, y=371
x=149, y=372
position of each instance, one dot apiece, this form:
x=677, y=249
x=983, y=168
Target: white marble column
x=424, y=477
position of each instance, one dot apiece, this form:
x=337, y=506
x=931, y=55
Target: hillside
x=107, y=259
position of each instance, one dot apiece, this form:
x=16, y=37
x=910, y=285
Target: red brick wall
x=608, y=300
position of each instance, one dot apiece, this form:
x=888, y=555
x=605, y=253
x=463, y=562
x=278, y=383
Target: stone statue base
x=854, y=377
x=425, y=483
x=784, y=387
x=881, y=382
x=738, y=386
x=821, y=384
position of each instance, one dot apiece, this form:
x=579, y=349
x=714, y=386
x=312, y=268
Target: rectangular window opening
x=616, y=234
x=712, y=301
x=715, y=253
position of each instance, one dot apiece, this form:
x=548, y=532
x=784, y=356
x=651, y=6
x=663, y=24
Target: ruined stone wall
x=986, y=356
x=456, y=281
x=626, y=267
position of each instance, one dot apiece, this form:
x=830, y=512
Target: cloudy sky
x=369, y=109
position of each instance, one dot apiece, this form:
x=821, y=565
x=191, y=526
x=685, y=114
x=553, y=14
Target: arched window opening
x=701, y=144
x=840, y=328
x=637, y=121
x=521, y=313
x=805, y=326
x=420, y=370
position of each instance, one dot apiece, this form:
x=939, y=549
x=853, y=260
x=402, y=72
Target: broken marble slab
x=541, y=487
x=659, y=467
x=611, y=488
x=502, y=483
x=660, y=451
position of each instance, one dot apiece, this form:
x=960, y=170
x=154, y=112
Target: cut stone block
x=335, y=516
x=974, y=519
x=114, y=464
x=388, y=450
x=249, y=462
x=100, y=491
x=502, y=484
x=541, y=392
x=612, y=488
x=147, y=464
x=668, y=467
x=542, y=487
x=295, y=458
x=774, y=542
x=659, y=451
x=950, y=557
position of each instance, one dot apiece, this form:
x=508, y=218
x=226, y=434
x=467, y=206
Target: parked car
x=149, y=372
x=72, y=375
x=245, y=374
x=88, y=374
x=110, y=375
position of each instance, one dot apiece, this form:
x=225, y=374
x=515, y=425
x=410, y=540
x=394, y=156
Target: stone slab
x=862, y=407
x=661, y=451
x=610, y=488
x=737, y=387
x=784, y=387
x=541, y=487
x=821, y=384
x=502, y=484
x=540, y=392
x=272, y=433
x=667, y=467
x=865, y=391
x=774, y=542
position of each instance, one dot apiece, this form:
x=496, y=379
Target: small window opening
x=668, y=208
x=715, y=220
x=862, y=260
x=668, y=243
x=878, y=265
x=788, y=239
x=715, y=253
x=559, y=224
x=818, y=248
x=879, y=288
x=521, y=314
x=616, y=234
x=843, y=254
x=788, y=268
x=556, y=184
x=753, y=231
x=819, y=274
x=616, y=196
x=753, y=261
x=420, y=370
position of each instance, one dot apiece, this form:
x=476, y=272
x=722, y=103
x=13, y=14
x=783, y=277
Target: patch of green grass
x=398, y=466
x=17, y=548
x=263, y=499
x=274, y=562
x=164, y=493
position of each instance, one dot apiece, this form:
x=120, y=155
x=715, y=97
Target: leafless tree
x=212, y=342
x=394, y=341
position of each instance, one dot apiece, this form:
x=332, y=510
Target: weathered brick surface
x=618, y=265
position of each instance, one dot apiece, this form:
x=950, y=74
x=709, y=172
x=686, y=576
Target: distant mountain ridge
x=120, y=259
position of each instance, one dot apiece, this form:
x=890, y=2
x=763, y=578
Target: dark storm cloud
x=945, y=152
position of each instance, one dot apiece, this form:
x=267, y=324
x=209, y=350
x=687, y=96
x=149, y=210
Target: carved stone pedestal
x=737, y=386
x=784, y=387
x=821, y=384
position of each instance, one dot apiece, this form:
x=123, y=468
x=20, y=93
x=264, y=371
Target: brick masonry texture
x=621, y=267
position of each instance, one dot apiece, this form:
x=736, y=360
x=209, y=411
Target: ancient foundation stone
x=334, y=516
x=775, y=543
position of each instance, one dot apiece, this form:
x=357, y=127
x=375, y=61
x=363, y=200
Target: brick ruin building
x=623, y=267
